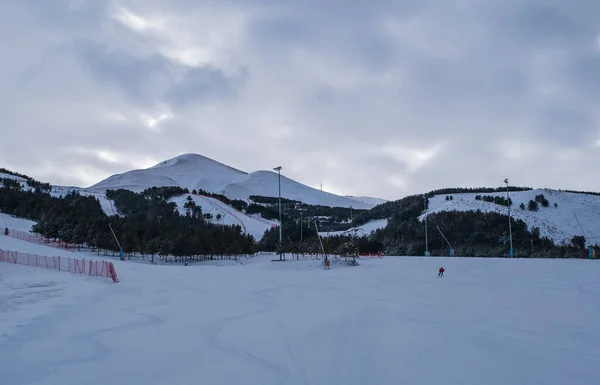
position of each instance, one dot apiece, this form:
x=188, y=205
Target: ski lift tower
x=278, y=169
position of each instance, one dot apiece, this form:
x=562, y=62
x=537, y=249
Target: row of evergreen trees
x=499, y=200
x=338, y=217
x=148, y=223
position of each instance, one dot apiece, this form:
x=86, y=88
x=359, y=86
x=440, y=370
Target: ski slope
x=369, y=200
x=195, y=172
x=557, y=223
x=255, y=226
x=13, y=223
x=359, y=231
x=266, y=183
x=106, y=204
x=388, y=321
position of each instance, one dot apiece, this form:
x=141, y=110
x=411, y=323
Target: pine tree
x=533, y=206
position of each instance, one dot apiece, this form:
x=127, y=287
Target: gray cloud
x=378, y=98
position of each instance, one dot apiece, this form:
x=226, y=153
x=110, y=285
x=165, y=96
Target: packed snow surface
x=387, y=321
x=557, y=223
x=13, y=223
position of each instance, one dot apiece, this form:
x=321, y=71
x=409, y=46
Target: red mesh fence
x=32, y=237
x=371, y=255
x=94, y=268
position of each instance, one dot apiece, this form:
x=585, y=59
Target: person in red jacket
x=441, y=273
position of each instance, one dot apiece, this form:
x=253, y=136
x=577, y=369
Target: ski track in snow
x=387, y=321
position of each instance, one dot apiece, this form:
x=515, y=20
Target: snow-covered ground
x=14, y=223
x=256, y=226
x=106, y=204
x=387, y=321
x=19, y=179
x=359, y=231
x=266, y=183
x=369, y=200
x=557, y=223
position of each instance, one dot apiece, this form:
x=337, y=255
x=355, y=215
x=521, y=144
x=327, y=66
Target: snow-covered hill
x=254, y=225
x=188, y=170
x=368, y=200
x=13, y=177
x=557, y=223
x=359, y=231
x=198, y=172
x=106, y=204
x=265, y=183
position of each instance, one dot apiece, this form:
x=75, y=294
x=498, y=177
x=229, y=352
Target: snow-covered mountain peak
x=195, y=171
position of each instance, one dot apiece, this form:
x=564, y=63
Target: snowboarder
x=327, y=263
x=441, y=273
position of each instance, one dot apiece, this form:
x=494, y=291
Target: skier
x=327, y=263
x=441, y=273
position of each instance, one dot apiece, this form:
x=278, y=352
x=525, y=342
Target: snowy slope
x=368, y=200
x=22, y=181
x=557, y=223
x=393, y=322
x=106, y=204
x=266, y=183
x=188, y=170
x=363, y=230
x=255, y=226
x=198, y=172
x=13, y=177
x=18, y=224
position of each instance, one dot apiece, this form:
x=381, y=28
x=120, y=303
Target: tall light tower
x=426, y=241
x=301, y=225
x=509, y=225
x=278, y=169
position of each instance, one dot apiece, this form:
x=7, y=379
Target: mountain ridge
x=194, y=171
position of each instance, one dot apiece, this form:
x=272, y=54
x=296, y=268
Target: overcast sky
x=377, y=97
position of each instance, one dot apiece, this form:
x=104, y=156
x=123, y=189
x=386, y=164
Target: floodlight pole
x=426, y=241
x=301, y=225
x=278, y=169
x=509, y=224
